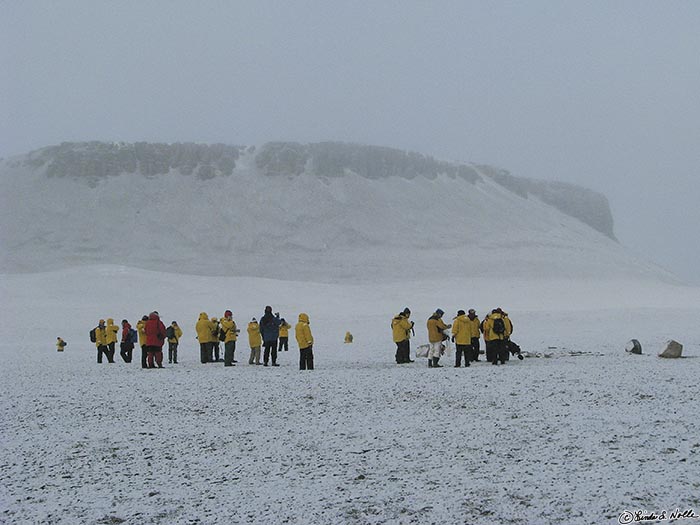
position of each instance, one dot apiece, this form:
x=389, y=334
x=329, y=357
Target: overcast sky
x=601, y=93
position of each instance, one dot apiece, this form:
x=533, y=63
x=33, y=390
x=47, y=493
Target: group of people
x=271, y=333
x=270, y=336
x=467, y=330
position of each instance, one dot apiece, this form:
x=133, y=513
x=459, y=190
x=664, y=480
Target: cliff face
x=324, y=212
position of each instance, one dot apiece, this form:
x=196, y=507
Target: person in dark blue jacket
x=270, y=331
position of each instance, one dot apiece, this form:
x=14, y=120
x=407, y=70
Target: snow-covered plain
x=577, y=437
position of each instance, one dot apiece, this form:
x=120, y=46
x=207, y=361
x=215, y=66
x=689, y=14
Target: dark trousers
x=270, y=348
x=215, y=349
x=306, y=358
x=463, y=349
x=103, y=349
x=144, y=355
x=229, y=350
x=475, y=349
x=111, y=349
x=284, y=342
x=154, y=353
x=125, y=350
x=205, y=352
x=496, y=350
x=403, y=351
x=172, y=352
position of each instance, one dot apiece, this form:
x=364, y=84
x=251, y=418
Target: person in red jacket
x=127, y=345
x=155, y=337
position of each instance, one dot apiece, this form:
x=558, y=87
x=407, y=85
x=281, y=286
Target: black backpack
x=499, y=326
x=170, y=332
x=222, y=334
x=93, y=335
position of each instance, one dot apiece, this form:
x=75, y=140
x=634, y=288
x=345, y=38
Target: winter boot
x=436, y=362
x=430, y=362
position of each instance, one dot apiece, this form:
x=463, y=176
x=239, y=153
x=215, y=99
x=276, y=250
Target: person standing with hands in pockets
x=305, y=341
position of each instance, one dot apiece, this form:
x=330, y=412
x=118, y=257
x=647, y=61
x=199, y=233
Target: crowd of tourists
x=466, y=332
x=270, y=335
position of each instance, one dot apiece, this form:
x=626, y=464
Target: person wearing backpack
x=60, y=344
x=205, y=336
x=230, y=330
x=496, y=333
x=174, y=333
x=126, y=347
x=155, y=338
x=101, y=342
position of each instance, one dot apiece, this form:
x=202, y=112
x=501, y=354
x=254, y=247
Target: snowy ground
x=575, y=438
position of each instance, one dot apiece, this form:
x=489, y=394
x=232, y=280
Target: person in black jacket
x=270, y=331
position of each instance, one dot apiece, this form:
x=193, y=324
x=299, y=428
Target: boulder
x=673, y=349
x=633, y=347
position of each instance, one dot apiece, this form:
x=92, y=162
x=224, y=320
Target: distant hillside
x=323, y=211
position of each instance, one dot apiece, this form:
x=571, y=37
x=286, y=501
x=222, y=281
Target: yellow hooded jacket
x=489, y=334
x=400, y=328
x=284, y=329
x=112, y=331
x=141, y=329
x=204, y=328
x=473, y=325
x=461, y=330
x=254, y=337
x=302, y=331
x=435, y=327
x=101, y=335
x=229, y=328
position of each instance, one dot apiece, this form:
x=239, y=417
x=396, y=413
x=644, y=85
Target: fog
x=603, y=94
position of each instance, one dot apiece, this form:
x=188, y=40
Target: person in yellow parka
x=141, y=330
x=174, y=333
x=101, y=342
x=228, y=325
x=401, y=329
x=436, y=335
x=255, y=342
x=214, y=355
x=462, y=338
x=284, y=336
x=475, y=330
x=305, y=341
x=112, y=333
x=60, y=344
x=205, y=336
x=348, y=337
x=497, y=330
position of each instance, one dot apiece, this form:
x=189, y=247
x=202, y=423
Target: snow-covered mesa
x=577, y=437
x=321, y=212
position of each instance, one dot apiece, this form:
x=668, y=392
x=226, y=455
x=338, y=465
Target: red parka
x=155, y=331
